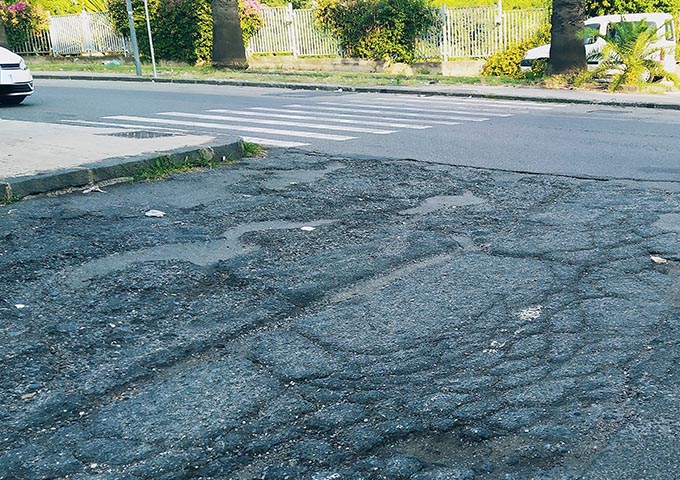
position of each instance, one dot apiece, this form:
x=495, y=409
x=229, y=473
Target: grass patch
x=252, y=150
x=164, y=167
x=177, y=71
x=8, y=200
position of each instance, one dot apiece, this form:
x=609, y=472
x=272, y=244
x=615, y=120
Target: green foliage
x=19, y=19
x=629, y=53
x=69, y=7
x=507, y=4
x=283, y=3
x=377, y=29
x=250, y=12
x=506, y=62
x=595, y=8
x=181, y=29
x=252, y=150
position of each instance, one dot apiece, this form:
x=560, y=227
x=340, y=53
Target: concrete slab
x=52, y=156
x=51, y=146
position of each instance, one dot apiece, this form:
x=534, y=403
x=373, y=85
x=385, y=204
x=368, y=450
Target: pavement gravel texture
x=310, y=317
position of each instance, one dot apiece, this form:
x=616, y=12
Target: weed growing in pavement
x=9, y=200
x=163, y=167
x=252, y=150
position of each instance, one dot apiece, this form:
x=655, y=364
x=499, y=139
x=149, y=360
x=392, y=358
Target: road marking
x=308, y=117
x=278, y=122
x=356, y=115
x=414, y=109
x=521, y=105
x=266, y=142
x=422, y=116
x=238, y=128
x=127, y=126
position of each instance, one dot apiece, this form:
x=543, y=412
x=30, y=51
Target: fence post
x=500, y=20
x=444, y=12
x=290, y=28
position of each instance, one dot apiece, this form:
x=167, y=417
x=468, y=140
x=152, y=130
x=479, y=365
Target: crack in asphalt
x=508, y=327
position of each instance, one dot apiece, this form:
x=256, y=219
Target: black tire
x=15, y=100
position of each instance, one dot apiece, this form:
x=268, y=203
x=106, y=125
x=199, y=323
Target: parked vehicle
x=664, y=45
x=16, y=81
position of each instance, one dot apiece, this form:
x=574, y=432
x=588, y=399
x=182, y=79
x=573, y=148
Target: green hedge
x=181, y=29
x=377, y=29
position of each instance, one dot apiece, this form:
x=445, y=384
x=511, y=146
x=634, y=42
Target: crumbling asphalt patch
x=309, y=317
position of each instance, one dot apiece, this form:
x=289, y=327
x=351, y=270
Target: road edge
x=551, y=96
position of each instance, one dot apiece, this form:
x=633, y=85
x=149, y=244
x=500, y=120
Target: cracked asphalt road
x=433, y=322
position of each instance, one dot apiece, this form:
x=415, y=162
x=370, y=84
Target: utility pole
x=133, y=37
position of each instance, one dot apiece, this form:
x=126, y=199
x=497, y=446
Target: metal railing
x=294, y=32
x=87, y=33
x=467, y=32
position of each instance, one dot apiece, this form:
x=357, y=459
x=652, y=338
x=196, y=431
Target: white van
x=664, y=44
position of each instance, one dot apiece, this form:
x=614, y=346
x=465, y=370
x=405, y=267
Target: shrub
x=628, y=53
x=594, y=8
x=506, y=62
x=181, y=29
x=377, y=29
x=252, y=20
x=294, y=3
x=20, y=19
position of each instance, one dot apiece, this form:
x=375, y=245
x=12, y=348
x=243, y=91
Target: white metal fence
x=74, y=35
x=470, y=32
x=288, y=31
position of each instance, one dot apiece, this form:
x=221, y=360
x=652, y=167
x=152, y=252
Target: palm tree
x=228, y=48
x=567, y=52
x=629, y=52
x=3, y=36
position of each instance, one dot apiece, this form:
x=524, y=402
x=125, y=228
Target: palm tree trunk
x=567, y=51
x=3, y=36
x=228, y=48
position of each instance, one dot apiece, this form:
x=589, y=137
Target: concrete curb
x=110, y=169
x=550, y=96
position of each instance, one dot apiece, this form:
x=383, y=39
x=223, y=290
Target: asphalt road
x=310, y=316
x=573, y=140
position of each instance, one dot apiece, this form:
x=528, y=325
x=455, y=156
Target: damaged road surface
x=314, y=317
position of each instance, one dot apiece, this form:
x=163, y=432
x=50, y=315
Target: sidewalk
x=61, y=156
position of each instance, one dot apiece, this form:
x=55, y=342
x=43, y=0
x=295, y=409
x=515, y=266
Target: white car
x=16, y=81
x=664, y=43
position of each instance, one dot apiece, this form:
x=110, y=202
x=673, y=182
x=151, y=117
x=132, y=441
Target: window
x=591, y=31
x=670, y=34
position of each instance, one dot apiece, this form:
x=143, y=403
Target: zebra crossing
x=342, y=119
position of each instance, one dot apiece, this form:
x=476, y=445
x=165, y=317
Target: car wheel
x=15, y=100
x=646, y=76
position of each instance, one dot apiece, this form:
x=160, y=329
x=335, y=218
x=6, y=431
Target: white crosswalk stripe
x=414, y=109
x=124, y=126
x=238, y=128
x=223, y=118
x=378, y=111
x=309, y=111
x=354, y=121
x=473, y=103
x=297, y=125
x=268, y=142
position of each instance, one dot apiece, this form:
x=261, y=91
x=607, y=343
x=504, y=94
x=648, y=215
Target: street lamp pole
x=148, y=29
